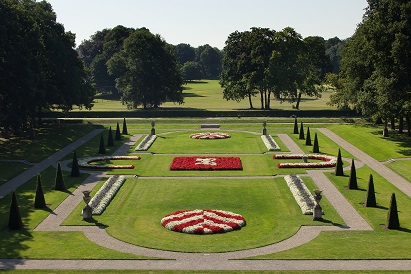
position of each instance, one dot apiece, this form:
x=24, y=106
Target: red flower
x=206, y=163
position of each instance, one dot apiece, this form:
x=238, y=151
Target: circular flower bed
x=210, y=135
x=203, y=221
x=86, y=163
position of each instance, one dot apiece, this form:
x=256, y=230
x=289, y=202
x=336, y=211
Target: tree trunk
x=408, y=124
x=297, y=106
x=393, y=123
x=262, y=99
x=250, y=101
x=401, y=124
x=269, y=100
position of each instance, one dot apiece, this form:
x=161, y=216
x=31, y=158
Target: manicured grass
x=10, y=170
x=267, y=205
x=369, y=139
x=403, y=168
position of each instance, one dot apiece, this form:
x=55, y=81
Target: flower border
x=105, y=194
x=85, y=162
x=270, y=143
x=210, y=135
x=203, y=221
x=329, y=161
x=146, y=143
x=190, y=163
x=301, y=193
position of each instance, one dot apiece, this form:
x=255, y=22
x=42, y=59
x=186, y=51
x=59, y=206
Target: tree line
x=39, y=68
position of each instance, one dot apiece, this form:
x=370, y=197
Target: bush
x=308, y=138
x=102, y=147
x=301, y=137
x=39, y=200
x=59, y=182
x=75, y=169
x=295, y=126
x=110, y=140
x=15, y=222
x=339, y=171
x=118, y=134
x=353, y=177
x=316, y=147
x=392, y=217
x=371, y=201
x=124, y=127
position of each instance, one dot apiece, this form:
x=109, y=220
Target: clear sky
x=211, y=21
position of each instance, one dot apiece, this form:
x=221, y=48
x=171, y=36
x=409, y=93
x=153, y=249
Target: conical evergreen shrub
x=308, y=138
x=110, y=140
x=370, y=200
x=59, y=182
x=295, y=126
x=15, y=222
x=39, y=200
x=353, y=177
x=75, y=169
x=124, y=127
x=316, y=147
x=118, y=134
x=392, y=217
x=301, y=137
x=339, y=171
x=102, y=147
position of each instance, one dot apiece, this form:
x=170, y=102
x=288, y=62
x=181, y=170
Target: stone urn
x=317, y=210
x=87, y=210
x=264, y=128
x=153, y=130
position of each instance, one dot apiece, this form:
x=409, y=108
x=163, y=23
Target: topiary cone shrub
x=124, y=127
x=118, y=134
x=301, y=137
x=39, y=200
x=308, y=138
x=353, y=177
x=110, y=140
x=59, y=182
x=392, y=217
x=102, y=147
x=316, y=147
x=15, y=222
x=371, y=201
x=295, y=126
x=339, y=165
x=75, y=169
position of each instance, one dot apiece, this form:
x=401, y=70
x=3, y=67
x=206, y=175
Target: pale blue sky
x=210, y=22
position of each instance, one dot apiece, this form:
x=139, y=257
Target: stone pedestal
x=153, y=130
x=87, y=210
x=317, y=211
x=264, y=128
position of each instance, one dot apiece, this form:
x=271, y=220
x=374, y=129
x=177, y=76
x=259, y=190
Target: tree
x=192, y=71
x=392, y=215
x=316, y=147
x=59, y=181
x=210, y=60
x=333, y=49
x=75, y=169
x=185, y=53
x=301, y=137
x=118, y=134
x=39, y=200
x=148, y=71
x=370, y=200
x=102, y=147
x=339, y=171
x=15, y=222
x=308, y=138
x=110, y=141
x=353, y=177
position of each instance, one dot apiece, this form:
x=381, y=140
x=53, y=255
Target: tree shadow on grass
x=326, y=221
x=402, y=139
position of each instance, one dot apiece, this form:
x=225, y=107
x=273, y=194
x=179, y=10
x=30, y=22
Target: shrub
x=371, y=201
x=15, y=222
x=316, y=147
x=353, y=177
x=102, y=147
x=110, y=141
x=124, y=127
x=308, y=138
x=75, y=169
x=39, y=200
x=295, y=126
x=339, y=166
x=59, y=182
x=118, y=134
x=392, y=216
x=301, y=137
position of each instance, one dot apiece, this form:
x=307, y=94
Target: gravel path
x=213, y=261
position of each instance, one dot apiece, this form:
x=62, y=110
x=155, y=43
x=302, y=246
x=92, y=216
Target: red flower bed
x=206, y=163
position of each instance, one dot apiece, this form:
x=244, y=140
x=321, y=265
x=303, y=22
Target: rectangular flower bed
x=270, y=143
x=301, y=193
x=206, y=163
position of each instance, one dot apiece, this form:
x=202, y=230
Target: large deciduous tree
x=147, y=69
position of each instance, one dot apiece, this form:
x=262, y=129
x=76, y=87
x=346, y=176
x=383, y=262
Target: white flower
x=301, y=193
x=270, y=143
x=106, y=193
x=85, y=162
x=147, y=142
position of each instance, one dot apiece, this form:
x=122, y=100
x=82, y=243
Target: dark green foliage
x=316, y=147
x=339, y=166
x=295, y=126
x=15, y=222
x=110, y=141
x=371, y=201
x=385, y=131
x=59, y=182
x=392, y=217
x=353, y=177
x=301, y=137
x=102, y=147
x=75, y=169
x=118, y=134
x=39, y=200
x=124, y=127
x=308, y=138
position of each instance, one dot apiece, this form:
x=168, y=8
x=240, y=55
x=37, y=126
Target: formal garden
x=228, y=183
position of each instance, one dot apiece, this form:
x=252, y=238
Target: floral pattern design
x=206, y=163
x=210, y=135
